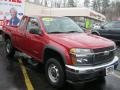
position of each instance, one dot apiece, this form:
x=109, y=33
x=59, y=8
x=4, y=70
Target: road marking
x=116, y=75
x=26, y=77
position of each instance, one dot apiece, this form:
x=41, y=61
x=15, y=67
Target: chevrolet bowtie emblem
x=106, y=52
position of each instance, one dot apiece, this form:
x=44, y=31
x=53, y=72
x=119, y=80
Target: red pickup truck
x=67, y=52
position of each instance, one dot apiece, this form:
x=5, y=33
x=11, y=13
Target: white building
x=79, y=15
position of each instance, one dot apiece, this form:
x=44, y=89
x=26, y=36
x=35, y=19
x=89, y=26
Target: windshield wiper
x=55, y=32
x=66, y=32
x=73, y=32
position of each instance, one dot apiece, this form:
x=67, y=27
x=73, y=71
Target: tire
x=10, y=51
x=54, y=73
x=101, y=79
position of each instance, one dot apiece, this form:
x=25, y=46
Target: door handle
x=23, y=34
x=27, y=36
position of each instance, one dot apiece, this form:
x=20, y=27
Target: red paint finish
x=34, y=44
x=17, y=1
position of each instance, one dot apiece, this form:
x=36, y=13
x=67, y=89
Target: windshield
x=60, y=25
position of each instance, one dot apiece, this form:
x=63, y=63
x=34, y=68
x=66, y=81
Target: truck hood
x=81, y=40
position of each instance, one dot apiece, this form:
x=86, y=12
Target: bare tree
x=46, y=4
x=41, y=2
x=105, y=5
x=86, y=3
x=71, y=3
x=118, y=8
x=94, y=5
x=64, y=3
x=97, y=5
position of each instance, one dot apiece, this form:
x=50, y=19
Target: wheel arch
x=6, y=36
x=50, y=52
x=96, y=33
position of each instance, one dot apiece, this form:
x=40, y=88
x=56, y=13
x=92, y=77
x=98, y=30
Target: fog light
x=82, y=60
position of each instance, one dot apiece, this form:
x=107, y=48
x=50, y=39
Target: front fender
x=61, y=50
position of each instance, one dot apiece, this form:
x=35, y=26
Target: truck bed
x=7, y=28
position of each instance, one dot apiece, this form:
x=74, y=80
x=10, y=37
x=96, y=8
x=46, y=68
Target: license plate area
x=110, y=70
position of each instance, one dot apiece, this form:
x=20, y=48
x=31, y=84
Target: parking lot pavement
x=118, y=54
x=10, y=74
x=12, y=78
x=0, y=38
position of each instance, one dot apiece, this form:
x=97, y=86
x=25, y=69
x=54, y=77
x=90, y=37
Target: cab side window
x=22, y=23
x=33, y=26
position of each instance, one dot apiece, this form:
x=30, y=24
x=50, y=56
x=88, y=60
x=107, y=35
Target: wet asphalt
x=11, y=77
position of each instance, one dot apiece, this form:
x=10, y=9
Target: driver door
x=34, y=39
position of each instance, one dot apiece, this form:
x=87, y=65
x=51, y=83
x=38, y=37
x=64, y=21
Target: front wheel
x=10, y=51
x=54, y=73
x=101, y=78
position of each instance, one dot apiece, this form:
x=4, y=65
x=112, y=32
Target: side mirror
x=34, y=30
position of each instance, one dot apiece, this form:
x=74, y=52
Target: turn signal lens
x=73, y=55
x=73, y=51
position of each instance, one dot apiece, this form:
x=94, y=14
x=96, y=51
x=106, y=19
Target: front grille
x=101, y=57
x=103, y=49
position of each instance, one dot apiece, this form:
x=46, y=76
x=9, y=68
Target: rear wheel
x=55, y=73
x=10, y=51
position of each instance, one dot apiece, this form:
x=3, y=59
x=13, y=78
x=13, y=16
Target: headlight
x=80, y=56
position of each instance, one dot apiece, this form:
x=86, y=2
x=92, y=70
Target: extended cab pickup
x=68, y=53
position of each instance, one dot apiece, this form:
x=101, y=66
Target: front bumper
x=87, y=73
